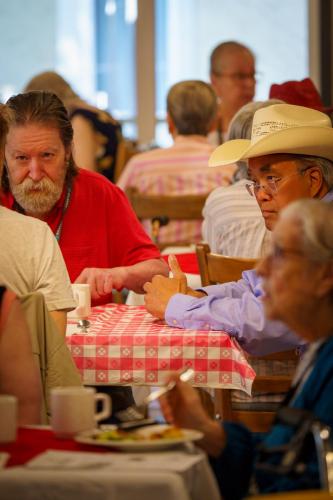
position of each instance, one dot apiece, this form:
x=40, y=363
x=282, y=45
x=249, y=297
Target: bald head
x=232, y=74
x=224, y=52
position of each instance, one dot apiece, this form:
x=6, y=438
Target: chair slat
x=185, y=207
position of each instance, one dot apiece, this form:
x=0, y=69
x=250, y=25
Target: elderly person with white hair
x=180, y=169
x=298, y=290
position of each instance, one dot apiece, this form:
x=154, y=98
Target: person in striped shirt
x=182, y=168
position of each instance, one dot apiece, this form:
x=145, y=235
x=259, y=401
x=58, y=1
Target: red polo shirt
x=99, y=227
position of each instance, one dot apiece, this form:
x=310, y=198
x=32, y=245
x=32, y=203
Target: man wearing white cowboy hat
x=290, y=157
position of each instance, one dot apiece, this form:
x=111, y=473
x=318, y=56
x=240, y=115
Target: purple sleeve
x=237, y=309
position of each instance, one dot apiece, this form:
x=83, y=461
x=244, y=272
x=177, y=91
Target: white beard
x=37, y=198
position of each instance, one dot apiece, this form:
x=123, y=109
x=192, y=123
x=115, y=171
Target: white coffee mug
x=8, y=418
x=82, y=297
x=73, y=410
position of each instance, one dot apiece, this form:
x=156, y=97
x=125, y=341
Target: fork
x=184, y=375
x=131, y=418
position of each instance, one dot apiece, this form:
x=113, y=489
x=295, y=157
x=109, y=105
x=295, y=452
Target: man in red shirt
x=102, y=241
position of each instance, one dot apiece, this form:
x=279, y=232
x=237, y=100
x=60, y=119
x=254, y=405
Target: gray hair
x=192, y=106
x=241, y=126
x=325, y=165
x=222, y=50
x=50, y=81
x=315, y=218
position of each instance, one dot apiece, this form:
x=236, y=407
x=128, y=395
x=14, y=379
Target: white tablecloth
x=125, y=477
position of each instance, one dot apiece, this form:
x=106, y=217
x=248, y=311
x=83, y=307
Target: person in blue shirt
x=297, y=277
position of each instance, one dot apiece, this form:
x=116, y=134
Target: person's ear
x=68, y=153
x=325, y=283
x=214, y=80
x=213, y=124
x=171, y=126
x=316, y=181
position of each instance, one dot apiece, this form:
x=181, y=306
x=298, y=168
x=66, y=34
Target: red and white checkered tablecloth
x=126, y=345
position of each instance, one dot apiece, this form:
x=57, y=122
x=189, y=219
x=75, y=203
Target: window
x=187, y=31
x=115, y=59
x=92, y=43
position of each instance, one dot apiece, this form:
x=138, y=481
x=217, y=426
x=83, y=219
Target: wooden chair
x=126, y=149
x=161, y=209
x=214, y=269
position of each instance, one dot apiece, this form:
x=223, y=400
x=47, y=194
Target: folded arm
x=236, y=309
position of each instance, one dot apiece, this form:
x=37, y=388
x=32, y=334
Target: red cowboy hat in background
x=301, y=93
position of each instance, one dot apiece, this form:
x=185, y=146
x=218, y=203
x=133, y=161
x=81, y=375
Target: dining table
x=125, y=345
x=39, y=466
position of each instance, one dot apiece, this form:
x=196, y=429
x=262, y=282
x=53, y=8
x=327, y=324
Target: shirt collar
x=328, y=196
x=190, y=138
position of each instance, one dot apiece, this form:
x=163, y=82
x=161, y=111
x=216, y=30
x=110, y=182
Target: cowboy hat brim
x=303, y=140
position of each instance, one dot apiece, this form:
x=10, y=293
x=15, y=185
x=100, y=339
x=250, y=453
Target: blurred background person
x=298, y=283
x=96, y=133
x=233, y=77
x=299, y=92
x=181, y=169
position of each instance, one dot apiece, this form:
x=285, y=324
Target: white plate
x=144, y=444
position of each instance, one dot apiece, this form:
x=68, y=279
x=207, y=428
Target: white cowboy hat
x=280, y=128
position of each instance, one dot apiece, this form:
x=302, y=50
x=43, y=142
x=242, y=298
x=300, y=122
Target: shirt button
x=174, y=322
x=207, y=326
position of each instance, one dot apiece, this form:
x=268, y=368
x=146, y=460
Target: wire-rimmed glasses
x=270, y=186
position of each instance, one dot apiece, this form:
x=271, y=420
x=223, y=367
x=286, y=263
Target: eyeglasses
x=272, y=184
x=239, y=77
x=277, y=253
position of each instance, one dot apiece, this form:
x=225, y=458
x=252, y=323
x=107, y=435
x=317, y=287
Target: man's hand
x=178, y=274
x=161, y=289
x=103, y=281
x=182, y=407
x=181, y=277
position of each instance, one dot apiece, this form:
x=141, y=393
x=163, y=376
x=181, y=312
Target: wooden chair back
x=214, y=269
x=125, y=150
x=161, y=209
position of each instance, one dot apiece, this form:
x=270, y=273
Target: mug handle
x=107, y=406
x=79, y=297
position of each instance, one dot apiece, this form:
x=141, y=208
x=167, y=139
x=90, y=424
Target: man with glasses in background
x=290, y=157
x=232, y=75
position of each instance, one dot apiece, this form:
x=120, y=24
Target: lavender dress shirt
x=237, y=309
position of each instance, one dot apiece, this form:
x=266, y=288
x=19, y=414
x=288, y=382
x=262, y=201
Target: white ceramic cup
x=73, y=410
x=8, y=418
x=82, y=297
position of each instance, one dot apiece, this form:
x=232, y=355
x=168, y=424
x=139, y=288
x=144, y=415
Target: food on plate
x=116, y=435
x=121, y=435
x=168, y=433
